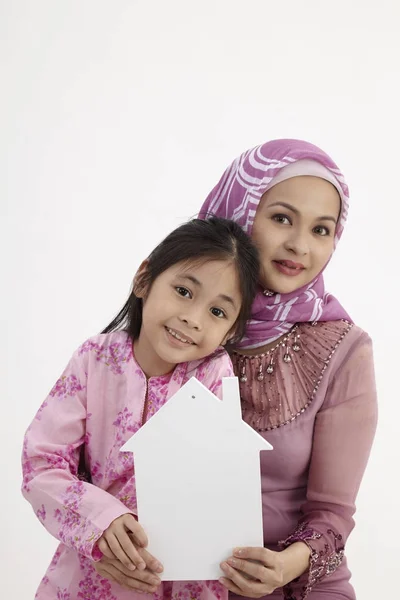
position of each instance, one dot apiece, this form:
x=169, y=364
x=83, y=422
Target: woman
x=306, y=375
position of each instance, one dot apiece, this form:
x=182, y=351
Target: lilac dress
x=313, y=397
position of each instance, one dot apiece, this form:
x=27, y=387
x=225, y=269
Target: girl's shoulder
x=112, y=348
x=215, y=366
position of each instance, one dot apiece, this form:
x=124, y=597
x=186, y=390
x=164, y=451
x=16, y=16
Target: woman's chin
x=278, y=286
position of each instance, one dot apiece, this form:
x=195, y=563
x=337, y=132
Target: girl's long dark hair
x=210, y=239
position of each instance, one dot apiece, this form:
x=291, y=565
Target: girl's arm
x=75, y=512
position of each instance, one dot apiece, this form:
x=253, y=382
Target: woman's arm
x=343, y=435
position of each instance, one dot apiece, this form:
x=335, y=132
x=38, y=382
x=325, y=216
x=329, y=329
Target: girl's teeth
x=177, y=336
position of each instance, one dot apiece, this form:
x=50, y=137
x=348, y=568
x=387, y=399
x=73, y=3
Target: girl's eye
x=217, y=312
x=184, y=292
x=322, y=230
x=284, y=219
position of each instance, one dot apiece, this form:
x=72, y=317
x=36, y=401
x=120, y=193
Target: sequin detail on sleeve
x=323, y=560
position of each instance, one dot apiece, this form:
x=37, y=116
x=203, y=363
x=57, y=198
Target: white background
x=116, y=119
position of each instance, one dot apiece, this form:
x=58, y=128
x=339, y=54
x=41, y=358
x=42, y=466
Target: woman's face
x=294, y=230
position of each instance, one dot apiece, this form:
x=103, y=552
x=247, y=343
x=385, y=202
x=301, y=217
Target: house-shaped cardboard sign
x=198, y=483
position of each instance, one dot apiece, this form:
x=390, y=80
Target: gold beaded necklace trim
x=295, y=346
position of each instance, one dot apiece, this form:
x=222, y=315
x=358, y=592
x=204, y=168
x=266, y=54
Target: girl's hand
x=139, y=581
x=253, y=572
x=121, y=541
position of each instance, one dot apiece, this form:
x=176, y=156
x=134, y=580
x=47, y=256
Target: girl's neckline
x=165, y=376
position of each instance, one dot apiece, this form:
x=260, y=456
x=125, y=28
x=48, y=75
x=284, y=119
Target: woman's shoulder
x=333, y=332
x=335, y=342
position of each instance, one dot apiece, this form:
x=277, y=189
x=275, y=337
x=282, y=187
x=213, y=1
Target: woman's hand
x=139, y=581
x=257, y=572
x=253, y=572
x=121, y=541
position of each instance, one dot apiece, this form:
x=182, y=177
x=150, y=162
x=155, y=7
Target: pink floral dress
x=99, y=401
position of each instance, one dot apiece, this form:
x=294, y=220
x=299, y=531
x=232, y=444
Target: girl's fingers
x=104, y=548
x=137, y=530
x=129, y=549
x=118, y=552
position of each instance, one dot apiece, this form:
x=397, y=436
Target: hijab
x=237, y=196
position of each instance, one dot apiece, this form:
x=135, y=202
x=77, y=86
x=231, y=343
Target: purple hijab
x=237, y=195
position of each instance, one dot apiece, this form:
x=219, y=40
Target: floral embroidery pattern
x=326, y=561
x=41, y=513
x=55, y=560
x=93, y=586
x=156, y=396
x=75, y=531
x=127, y=495
x=63, y=458
x=67, y=385
x=39, y=412
x=114, y=355
x=323, y=562
x=45, y=453
x=28, y=470
x=302, y=533
x=217, y=589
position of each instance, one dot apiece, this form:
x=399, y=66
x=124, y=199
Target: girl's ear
x=140, y=281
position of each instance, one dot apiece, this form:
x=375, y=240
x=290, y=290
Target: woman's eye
x=217, y=312
x=282, y=219
x=321, y=230
x=182, y=291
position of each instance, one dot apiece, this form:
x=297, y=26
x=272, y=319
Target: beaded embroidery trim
x=270, y=368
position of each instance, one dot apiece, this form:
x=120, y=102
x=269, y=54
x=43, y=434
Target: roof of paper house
x=195, y=411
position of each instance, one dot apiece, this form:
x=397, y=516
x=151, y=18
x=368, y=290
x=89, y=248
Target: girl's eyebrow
x=296, y=212
x=198, y=283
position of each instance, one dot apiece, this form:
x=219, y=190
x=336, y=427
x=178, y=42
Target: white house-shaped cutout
x=198, y=482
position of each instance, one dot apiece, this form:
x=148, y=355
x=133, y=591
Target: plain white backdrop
x=116, y=119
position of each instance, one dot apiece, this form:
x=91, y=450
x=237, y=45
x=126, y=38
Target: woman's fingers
x=105, y=570
x=141, y=581
x=263, y=555
x=231, y=586
x=151, y=562
x=254, y=570
x=246, y=586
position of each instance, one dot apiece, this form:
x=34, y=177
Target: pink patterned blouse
x=100, y=401
x=313, y=397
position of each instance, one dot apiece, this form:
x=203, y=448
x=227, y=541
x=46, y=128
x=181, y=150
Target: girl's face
x=294, y=230
x=189, y=311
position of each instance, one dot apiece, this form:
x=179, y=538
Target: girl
x=191, y=296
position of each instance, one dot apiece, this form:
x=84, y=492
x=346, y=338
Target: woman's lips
x=288, y=267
